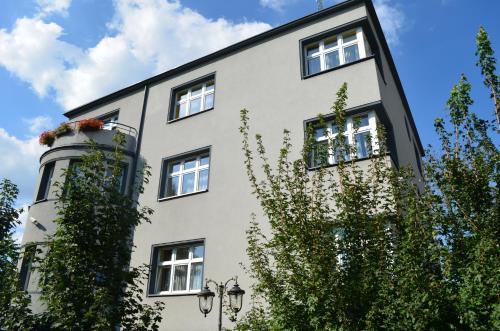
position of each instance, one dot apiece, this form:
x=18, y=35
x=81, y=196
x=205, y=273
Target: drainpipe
x=139, y=140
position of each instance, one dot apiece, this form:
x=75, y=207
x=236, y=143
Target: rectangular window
x=359, y=140
x=177, y=269
x=26, y=266
x=46, y=181
x=192, y=99
x=185, y=175
x=334, y=51
x=122, y=176
x=110, y=121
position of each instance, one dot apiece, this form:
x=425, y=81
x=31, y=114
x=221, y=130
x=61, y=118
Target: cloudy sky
x=58, y=54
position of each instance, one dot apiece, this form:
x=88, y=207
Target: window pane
x=360, y=121
x=319, y=154
x=164, y=278
x=196, y=90
x=363, y=147
x=349, y=36
x=188, y=183
x=180, y=277
x=332, y=60
x=198, y=251
x=344, y=150
x=313, y=66
x=319, y=133
x=312, y=50
x=196, y=276
x=174, y=167
x=182, y=253
x=332, y=42
x=203, y=180
x=189, y=164
x=181, y=110
x=172, y=186
x=209, y=101
x=204, y=160
x=166, y=255
x=195, y=105
x=351, y=53
x=182, y=96
x=210, y=86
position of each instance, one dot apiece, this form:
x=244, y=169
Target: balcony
x=74, y=141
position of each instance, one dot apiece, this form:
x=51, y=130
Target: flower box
x=62, y=129
x=91, y=124
x=47, y=138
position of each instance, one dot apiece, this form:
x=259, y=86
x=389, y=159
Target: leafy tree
x=465, y=178
x=85, y=277
x=373, y=249
x=487, y=63
x=349, y=249
x=15, y=314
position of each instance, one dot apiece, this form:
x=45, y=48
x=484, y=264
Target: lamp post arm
x=221, y=289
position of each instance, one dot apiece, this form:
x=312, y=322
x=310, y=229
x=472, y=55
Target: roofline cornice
x=269, y=34
x=258, y=39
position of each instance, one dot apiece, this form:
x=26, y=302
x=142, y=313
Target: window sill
x=184, y=294
x=188, y=116
x=346, y=162
x=338, y=67
x=182, y=195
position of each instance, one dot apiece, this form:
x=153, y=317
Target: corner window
x=46, y=181
x=192, y=99
x=334, y=51
x=185, y=175
x=110, y=121
x=177, y=269
x=359, y=138
x=27, y=266
x=122, y=181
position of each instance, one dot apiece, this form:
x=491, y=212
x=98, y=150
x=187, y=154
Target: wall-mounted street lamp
x=206, y=297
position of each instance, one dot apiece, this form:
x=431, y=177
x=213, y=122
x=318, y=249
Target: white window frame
x=189, y=98
x=322, y=52
x=196, y=169
x=172, y=263
x=350, y=133
x=110, y=122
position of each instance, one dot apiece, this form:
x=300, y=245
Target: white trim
x=189, y=98
x=350, y=134
x=173, y=263
x=322, y=52
x=182, y=172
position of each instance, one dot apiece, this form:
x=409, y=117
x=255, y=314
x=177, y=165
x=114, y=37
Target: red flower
x=47, y=138
x=90, y=124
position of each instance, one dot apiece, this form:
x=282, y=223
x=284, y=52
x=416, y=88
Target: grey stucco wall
x=266, y=79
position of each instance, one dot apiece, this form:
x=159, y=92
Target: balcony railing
x=123, y=128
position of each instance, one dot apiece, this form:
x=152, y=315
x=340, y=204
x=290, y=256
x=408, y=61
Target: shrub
x=47, y=138
x=90, y=124
x=62, y=129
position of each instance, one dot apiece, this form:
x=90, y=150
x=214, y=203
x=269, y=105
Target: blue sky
x=57, y=54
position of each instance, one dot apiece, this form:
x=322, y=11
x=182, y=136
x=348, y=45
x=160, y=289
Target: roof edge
x=215, y=55
x=392, y=67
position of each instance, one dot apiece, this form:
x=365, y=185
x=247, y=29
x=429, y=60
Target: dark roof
x=258, y=39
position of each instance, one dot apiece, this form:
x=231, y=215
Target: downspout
x=139, y=141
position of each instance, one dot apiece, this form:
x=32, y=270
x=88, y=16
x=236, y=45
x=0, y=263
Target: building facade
x=184, y=124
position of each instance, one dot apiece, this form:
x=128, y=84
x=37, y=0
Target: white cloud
x=19, y=162
x=145, y=37
x=392, y=18
x=34, y=53
x=273, y=4
x=19, y=230
x=48, y=7
x=37, y=124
